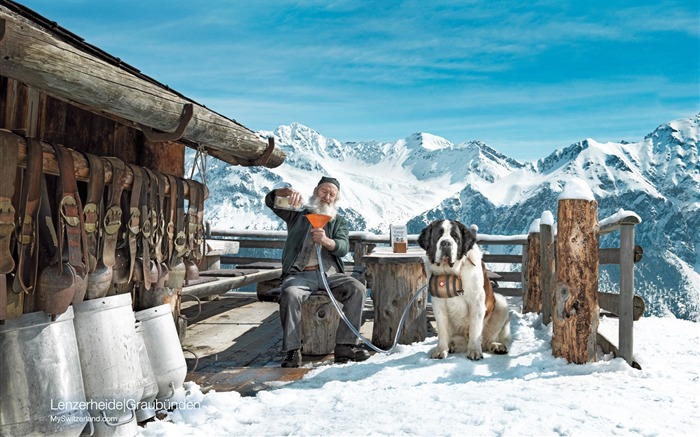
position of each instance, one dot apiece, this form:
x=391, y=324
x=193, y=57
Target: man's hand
x=295, y=199
x=319, y=237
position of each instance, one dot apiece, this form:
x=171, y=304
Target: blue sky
x=526, y=77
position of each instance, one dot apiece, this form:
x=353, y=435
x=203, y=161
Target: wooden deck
x=238, y=340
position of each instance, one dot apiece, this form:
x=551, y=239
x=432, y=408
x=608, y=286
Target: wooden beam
x=510, y=292
x=80, y=162
x=610, y=302
x=32, y=55
x=502, y=258
x=509, y=276
x=223, y=285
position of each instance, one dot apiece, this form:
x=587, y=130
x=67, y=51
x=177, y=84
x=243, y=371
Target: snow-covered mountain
x=424, y=177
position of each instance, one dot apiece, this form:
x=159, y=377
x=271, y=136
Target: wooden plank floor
x=238, y=340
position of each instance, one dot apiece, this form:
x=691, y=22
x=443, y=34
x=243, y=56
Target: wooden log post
x=532, y=289
x=319, y=322
x=548, y=265
x=576, y=311
x=625, y=305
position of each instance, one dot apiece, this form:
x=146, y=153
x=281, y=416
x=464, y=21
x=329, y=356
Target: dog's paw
x=498, y=348
x=437, y=354
x=475, y=354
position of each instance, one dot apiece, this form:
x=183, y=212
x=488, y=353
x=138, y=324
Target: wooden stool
x=319, y=321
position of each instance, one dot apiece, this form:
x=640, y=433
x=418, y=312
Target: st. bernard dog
x=470, y=317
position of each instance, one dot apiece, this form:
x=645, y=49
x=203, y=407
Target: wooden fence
x=227, y=243
x=542, y=281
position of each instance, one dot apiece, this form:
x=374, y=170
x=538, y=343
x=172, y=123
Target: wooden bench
x=319, y=321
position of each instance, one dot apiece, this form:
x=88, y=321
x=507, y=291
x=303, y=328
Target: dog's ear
x=424, y=237
x=468, y=238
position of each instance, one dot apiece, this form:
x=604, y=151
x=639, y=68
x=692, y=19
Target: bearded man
x=301, y=275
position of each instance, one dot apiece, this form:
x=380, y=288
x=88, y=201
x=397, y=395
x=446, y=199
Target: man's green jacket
x=298, y=227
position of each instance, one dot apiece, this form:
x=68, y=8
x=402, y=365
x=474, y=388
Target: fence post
x=625, y=304
x=576, y=312
x=548, y=265
x=532, y=290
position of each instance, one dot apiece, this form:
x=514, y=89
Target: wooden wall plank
x=101, y=136
x=166, y=157
x=127, y=144
x=52, y=122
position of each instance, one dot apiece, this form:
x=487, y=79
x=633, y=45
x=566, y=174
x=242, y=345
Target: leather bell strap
x=146, y=228
x=70, y=212
x=134, y=225
x=199, y=239
x=180, y=225
x=30, y=200
x=48, y=241
x=152, y=207
x=160, y=211
x=53, y=301
x=192, y=214
x=9, y=154
x=92, y=211
x=113, y=215
x=8, y=168
x=52, y=257
x=172, y=217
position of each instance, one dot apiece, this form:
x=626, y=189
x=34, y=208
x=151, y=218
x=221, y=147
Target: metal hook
x=185, y=117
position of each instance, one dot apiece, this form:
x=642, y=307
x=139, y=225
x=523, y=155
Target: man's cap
x=327, y=180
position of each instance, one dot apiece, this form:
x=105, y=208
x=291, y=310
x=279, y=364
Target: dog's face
x=446, y=241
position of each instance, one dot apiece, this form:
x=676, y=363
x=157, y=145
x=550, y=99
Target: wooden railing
x=536, y=277
x=540, y=280
x=361, y=243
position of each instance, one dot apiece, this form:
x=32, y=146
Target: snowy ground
x=527, y=392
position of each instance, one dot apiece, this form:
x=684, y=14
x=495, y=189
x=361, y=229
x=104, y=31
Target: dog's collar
x=445, y=286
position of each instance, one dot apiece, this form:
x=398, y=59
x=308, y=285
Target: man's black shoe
x=293, y=358
x=349, y=352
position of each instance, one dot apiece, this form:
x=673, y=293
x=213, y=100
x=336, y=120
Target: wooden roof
x=44, y=55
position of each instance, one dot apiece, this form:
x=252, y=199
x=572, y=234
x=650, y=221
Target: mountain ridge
x=423, y=177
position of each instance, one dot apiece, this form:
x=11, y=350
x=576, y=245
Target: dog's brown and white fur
x=463, y=324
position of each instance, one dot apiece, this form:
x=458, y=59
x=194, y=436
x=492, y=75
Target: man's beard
x=322, y=208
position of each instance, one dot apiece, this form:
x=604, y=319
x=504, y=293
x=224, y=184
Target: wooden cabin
x=94, y=202
x=57, y=88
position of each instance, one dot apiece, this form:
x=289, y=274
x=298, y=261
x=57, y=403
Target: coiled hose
x=347, y=322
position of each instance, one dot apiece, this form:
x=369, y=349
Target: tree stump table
x=395, y=277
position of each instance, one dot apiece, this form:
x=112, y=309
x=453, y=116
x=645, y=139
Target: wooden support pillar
x=548, y=270
x=625, y=304
x=576, y=311
x=532, y=290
